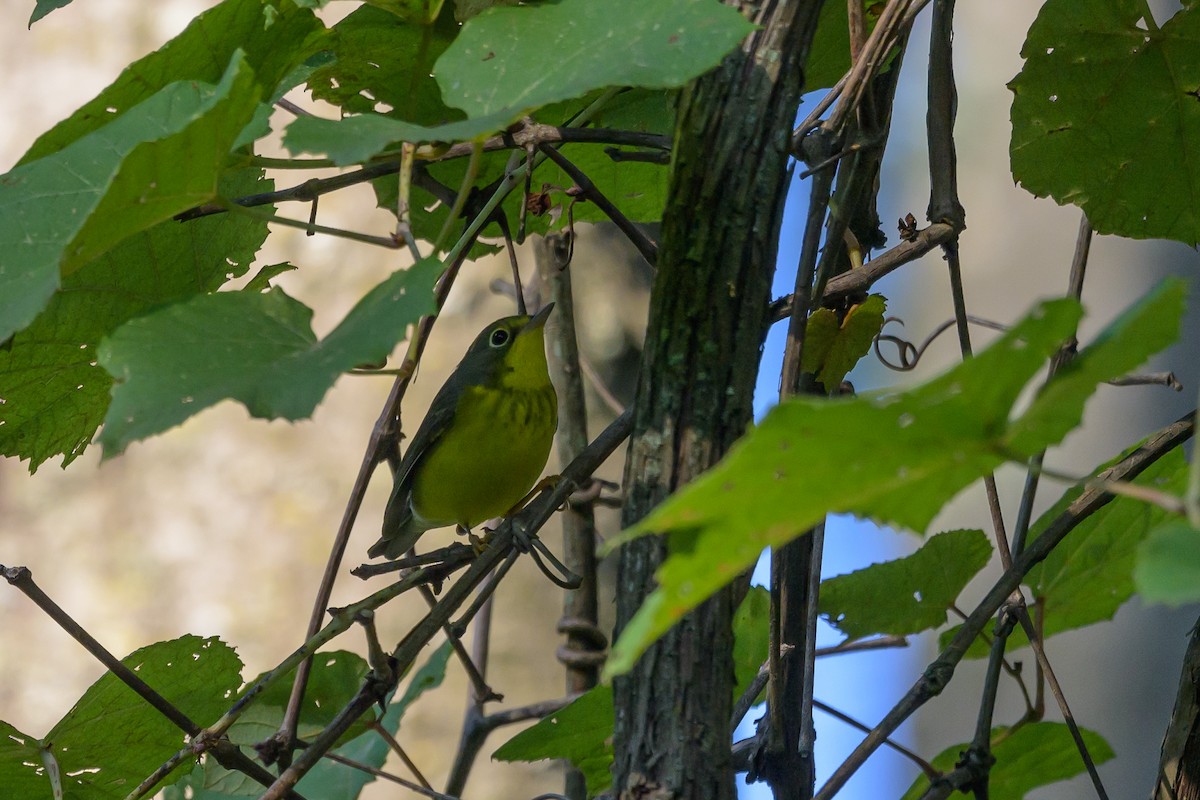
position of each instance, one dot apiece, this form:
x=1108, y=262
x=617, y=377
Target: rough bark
x=707, y=314
x=1179, y=763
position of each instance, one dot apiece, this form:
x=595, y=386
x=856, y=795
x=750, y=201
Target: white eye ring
x=498, y=338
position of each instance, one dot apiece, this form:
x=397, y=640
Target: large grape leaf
x=1106, y=116
x=894, y=458
x=383, y=64
x=157, y=159
x=54, y=392
x=337, y=677
x=256, y=348
x=491, y=66
x=273, y=36
x=113, y=738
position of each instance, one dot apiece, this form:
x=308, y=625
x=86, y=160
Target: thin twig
x=580, y=606
x=1039, y=652
x=633, y=233
x=859, y=281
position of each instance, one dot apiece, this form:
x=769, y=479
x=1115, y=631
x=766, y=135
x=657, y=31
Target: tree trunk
x=1179, y=764
x=708, y=314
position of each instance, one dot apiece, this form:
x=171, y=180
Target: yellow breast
x=489, y=457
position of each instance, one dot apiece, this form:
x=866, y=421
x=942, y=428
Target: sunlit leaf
x=895, y=458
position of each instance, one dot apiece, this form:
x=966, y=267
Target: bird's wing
x=399, y=531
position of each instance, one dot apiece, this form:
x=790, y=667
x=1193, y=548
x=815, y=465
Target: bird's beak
x=538, y=319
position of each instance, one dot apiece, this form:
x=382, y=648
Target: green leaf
x=112, y=738
x=159, y=158
x=831, y=349
x=335, y=678
x=383, y=64
x=751, y=637
x=258, y=349
x=637, y=188
x=1168, y=564
x=22, y=769
x=490, y=67
x=895, y=458
x=580, y=733
x=55, y=393
x=352, y=140
x=327, y=780
x=1089, y=575
x=262, y=279
x=1104, y=112
x=1144, y=328
x=333, y=781
x=906, y=595
x=1033, y=755
x=829, y=56
x=274, y=37
x=43, y=7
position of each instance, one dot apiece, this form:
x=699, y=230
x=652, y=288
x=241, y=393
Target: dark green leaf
x=1168, y=564
x=335, y=678
x=421, y=11
x=44, y=7
x=273, y=36
x=1104, y=111
x=892, y=458
x=327, y=780
x=1033, y=755
x=23, y=772
x=662, y=45
x=157, y=159
x=383, y=64
x=638, y=189
x=907, y=595
x=55, y=392
x=255, y=348
x=829, y=56
x=112, y=738
x=580, y=733
x=262, y=279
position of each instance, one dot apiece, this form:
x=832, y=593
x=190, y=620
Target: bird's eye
x=499, y=337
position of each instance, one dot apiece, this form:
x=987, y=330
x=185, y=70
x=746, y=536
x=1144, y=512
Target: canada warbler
x=484, y=441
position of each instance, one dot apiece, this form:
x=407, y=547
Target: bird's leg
x=548, y=482
x=478, y=543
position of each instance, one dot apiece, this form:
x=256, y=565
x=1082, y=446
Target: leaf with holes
x=55, y=393
x=906, y=595
x=1105, y=113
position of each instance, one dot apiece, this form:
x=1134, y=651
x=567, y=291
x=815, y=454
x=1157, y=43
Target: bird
x=483, y=442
